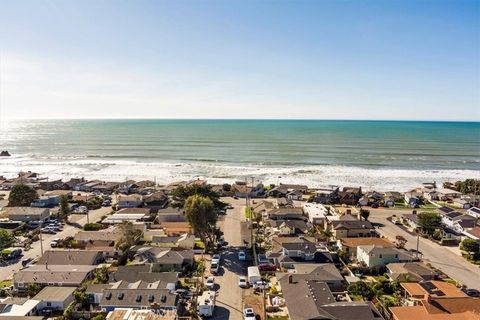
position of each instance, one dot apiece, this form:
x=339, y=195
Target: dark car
x=267, y=267
x=472, y=292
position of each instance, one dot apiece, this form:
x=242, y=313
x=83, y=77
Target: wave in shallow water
x=165, y=172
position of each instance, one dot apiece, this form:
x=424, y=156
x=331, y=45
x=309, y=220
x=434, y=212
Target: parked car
x=242, y=256
x=248, y=314
x=262, y=285
x=215, y=268
x=242, y=282
x=26, y=261
x=472, y=292
x=229, y=207
x=210, y=283
x=216, y=258
x=55, y=242
x=267, y=267
x=48, y=230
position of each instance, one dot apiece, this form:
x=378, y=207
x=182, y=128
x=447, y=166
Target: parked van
x=253, y=275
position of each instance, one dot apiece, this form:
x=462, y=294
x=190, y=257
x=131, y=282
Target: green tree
x=99, y=317
x=21, y=195
x=361, y=288
x=181, y=194
x=471, y=247
x=82, y=297
x=326, y=234
x=365, y=214
x=201, y=216
x=64, y=208
x=429, y=222
x=100, y=275
x=6, y=239
x=130, y=236
x=32, y=289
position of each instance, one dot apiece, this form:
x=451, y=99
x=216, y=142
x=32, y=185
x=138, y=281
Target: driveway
x=440, y=257
x=230, y=296
x=7, y=272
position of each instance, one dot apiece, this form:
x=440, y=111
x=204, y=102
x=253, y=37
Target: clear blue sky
x=240, y=59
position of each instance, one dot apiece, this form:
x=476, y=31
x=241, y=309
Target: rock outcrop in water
x=4, y=153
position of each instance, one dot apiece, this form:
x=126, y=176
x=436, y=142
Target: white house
x=54, y=298
x=474, y=212
x=315, y=212
x=377, y=256
x=130, y=201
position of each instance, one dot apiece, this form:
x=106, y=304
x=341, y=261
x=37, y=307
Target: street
x=440, y=257
x=230, y=296
x=8, y=271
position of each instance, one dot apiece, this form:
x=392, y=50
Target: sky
x=311, y=59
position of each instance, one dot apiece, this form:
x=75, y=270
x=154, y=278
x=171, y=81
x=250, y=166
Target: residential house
x=376, y=257
x=327, y=195
x=283, y=189
x=287, y=227
x=174, y=228
x=444, y=210
x=461, y=203
x=109, y=234
x=242, y=190
x=52, y=275
x=413, y=199
x=54, y=298
x=184, y=241
x=18, y=308
x=474, y=212
x=129, y=201
x=155, y=201
x=473, y=233
x=286, y=213
x=350, y=245
x=324, y=272
x=311, y=299
x=138, y=295
x=170, y=214
x=118, y=218
x=164, y=259
x=349, y=227
x=70, y=257
x=411, y=219
x=350, y=196
x=410, y=272
x=46, y=202
x=458, y=221
x=51, y=185
x=134, y=273
x=27, y=214
x=133, y=314
x=315, y=212
x=391, y=198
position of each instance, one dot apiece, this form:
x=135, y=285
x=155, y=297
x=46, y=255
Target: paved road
x=230, y=295
x=7, y=272
x=440, y=257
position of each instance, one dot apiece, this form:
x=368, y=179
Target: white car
x=216, y=258
x=242, y=282
x=262, y=285
x=210, y=283
x=242, y=256
x=248, y=314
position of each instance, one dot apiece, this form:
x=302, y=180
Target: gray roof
x=31, y=211
x=351, y=224
x=135, y=297
x=65, y=274
x=70, y=257
x=142, y=272
x=325, y=272
x=414, y=271
x=165, y=255
x=54, y=294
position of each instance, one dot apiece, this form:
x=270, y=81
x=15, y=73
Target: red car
x=267, y=267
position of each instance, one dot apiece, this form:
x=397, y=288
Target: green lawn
x=278, y=318
x=5, y=283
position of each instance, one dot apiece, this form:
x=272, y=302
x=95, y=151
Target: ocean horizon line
x=250, y=119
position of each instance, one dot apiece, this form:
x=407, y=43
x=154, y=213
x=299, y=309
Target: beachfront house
x=129, y=201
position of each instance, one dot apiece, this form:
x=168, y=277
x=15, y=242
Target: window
x=380, y=256
x=396, y=256
x=49, y=304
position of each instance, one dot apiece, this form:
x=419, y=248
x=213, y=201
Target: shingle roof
x=66, y=274
x=69, y=257
x=54, y=293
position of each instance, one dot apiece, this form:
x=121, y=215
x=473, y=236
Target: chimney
x=290, y=278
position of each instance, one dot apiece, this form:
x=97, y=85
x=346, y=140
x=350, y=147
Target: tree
x=100, y=275
x=470, y=246
x=6, y=239
x=64, y=208
x=130, y=236
x=429, y=222
x=32, y=289
x=327, y=233
x=361, y=288
x=21, y=195
x=365, y=214
x=181, y=194
x=201, y=216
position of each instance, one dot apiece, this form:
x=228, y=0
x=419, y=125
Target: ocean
x=380, y=155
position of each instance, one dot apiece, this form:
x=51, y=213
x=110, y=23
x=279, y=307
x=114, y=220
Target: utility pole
x=418, y=242
x=41, y=240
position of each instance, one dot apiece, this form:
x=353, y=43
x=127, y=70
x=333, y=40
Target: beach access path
x=443, y=258
x=8, y=271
